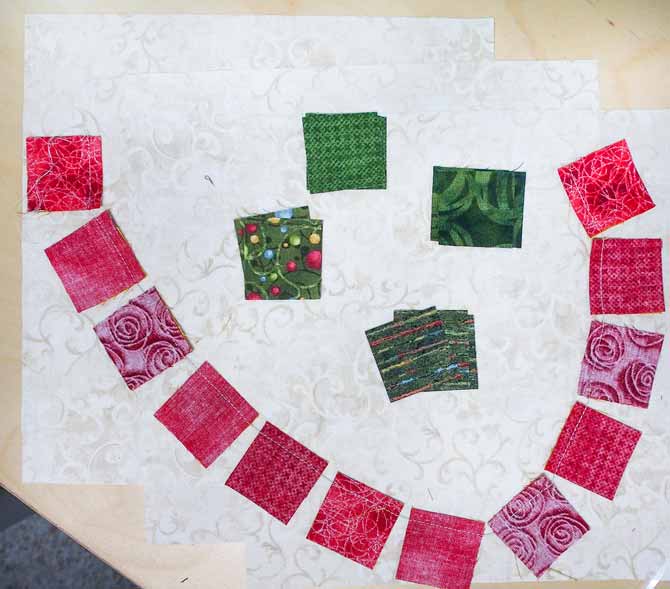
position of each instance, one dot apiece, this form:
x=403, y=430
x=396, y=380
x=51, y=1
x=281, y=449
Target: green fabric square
x=477, y=207
x=280, y=254
x=345, y=151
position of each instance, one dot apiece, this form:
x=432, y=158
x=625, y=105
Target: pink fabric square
x=355, y=520
x=276, y=473
x=64, y=173
x=605, y=188
x=206, y=414
x=626, y=276
x=440, y=550
x=619, y=364
x=593, y=450
x=142, y=338
x=538, y=525
x=95, y=262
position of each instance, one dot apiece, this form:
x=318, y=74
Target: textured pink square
x=142, y=338
x=440, y=550
x=604, y=188
x=593, y=450
x=276, y=473
x=64, y=173
x=206, y=414
x=538, y=525
x=355, y=520
x=619, y=364
x=95, y=262
x=626, y=276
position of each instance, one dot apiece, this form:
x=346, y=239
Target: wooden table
x=630, y=39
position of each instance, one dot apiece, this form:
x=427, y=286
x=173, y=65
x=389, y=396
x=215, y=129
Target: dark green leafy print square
x=477, y=207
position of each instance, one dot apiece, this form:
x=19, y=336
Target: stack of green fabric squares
x=477, y=207
x=281, y=254
x=426, y=350
x=345, y=151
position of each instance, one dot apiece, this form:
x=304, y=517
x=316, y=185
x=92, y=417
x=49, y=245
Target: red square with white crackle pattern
x=538, y=525
x=64, y=173
x=142, y=338
x=619, y=364
x=626, y=276
x=276, y=473
x=440, y=550
x=355, y=520
x=593, y=450
x=605, y=188
x=95, y=262
x=206, y=414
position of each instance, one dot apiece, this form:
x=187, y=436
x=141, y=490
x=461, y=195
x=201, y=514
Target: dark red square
x=95, y=262
x=64, y=173
x=593, y=450
x=619, y=364
x=626, y=276
x=538, y=525
x=142, y=338
x=206, y=414
x=605, y=188
x=440, y=550
x=355, y=520
x=276, y=473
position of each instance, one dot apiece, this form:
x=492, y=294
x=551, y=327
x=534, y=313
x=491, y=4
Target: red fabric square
x=538, y=525
x=626, y=276
x=355, y=520
x=64, y=173
x=206, y=414
x=593, y=450
x=276, y=473
x=142, y=338
x=619, y=364
x=604, y=188
x=95, y=262
x=440, y=550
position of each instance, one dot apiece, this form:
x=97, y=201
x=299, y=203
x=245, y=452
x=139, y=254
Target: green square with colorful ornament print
x=281, y=255
x=477, y=207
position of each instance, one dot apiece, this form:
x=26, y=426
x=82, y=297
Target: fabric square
x=626, y=276
x=619, y=364
x=477, y=207
x=206, y=414
x=281, y=255
x=538, y=525
x=440, y=550
x=142, y=338
x=593, y=450
x=64, y=173
x=355, y=520
x=456, y=368
x=276, y=473
x=345, y=151
x=605, y=188
x=95, y=262
x=408, y=353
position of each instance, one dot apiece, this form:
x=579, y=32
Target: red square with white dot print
x=605, y=188
x=619, y=364
x=276, y=473
x=355, y=520
x=206, y=414
x=95, y=262
x=538, y=525
x=593, y=450
x=440, y=550
x=626, y=276
x=64, y=173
